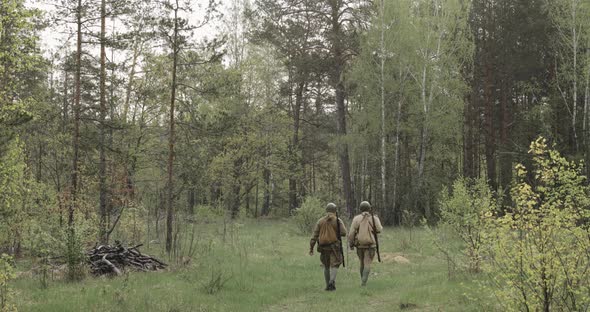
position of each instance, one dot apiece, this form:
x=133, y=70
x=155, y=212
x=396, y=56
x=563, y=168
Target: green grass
x=268, y=269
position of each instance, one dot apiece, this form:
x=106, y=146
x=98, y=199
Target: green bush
x=540, y=248
x=462, y=212
x=308, y=214
x=6, y=275
x=74, y=242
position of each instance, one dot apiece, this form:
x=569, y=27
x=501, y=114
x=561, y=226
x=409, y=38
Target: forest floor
x=264, y=266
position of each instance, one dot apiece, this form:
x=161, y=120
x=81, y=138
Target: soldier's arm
x=378, y=225
x=314, y=238
x=352, y=232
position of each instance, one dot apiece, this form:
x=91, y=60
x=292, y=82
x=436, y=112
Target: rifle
x=339, y=238
x=376, y=237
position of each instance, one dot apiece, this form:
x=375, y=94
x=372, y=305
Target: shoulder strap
x=358, y=225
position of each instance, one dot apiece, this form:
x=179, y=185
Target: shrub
x=462, y=214
x=308, y=214
x=73, y=243
x=540, y=250
x=6, y=275
x=41, y=246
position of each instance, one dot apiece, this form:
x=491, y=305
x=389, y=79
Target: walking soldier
x=363, y=235
x=327, y=234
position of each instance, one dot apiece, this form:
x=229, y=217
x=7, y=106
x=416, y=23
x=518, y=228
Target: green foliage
x=410, y=67
x=540, y=250
x=308, y=214
x=42, y=245
x=132, y=225
x=6, y=275
x=21, y=198
x=12, y=171
x=74, y=241
x=463, y=212
x=21, y=62
x=74, y=254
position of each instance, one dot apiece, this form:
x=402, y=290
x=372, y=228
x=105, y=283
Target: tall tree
x=382, y=56
x=290, y=26
x=343, y=20
x=177, y=32
x=76, y=109
x=171, y=139
x=571, y=20
x=103, y=112
x=19, y=57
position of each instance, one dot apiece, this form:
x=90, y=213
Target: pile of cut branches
x=113, y=260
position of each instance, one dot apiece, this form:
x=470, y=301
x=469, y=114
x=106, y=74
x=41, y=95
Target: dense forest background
x=135, y=123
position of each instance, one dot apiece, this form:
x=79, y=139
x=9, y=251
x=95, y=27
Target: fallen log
x=113, y=260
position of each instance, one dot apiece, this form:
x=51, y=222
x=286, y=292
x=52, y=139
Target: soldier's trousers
x=366, y=256
x=331, y=257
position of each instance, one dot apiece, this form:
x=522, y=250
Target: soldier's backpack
x=365, y=232
x=327, y=231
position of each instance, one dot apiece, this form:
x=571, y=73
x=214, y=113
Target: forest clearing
x=265, y=267
x=294, y=155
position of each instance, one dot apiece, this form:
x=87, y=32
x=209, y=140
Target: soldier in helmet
x=326, y=237
x=361, y=236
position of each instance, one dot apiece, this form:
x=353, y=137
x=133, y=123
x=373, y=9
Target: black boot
x=332, y=286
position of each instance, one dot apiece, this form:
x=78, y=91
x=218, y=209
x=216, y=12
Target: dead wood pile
x=113, y=260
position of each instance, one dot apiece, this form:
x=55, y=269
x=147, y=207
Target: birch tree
x=571, y=18
x=438, y=57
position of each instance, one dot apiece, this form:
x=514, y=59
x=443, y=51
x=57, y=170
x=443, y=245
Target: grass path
x=268, y=269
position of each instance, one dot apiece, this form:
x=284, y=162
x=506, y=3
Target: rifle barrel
x=376, y=238
x=339, y=238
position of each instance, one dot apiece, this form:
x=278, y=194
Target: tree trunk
x=423, y=141
x=170, y=208
x=294, y=148
x=382, y=134
x=235, y=201
x=490, y=144
x=256, y=201
x=505, y=159
x=191, y=200
x=136, y=51
x=103, y=112
x=395, y=174
x=575, y=74
x=267, y=189
x=39, y=173
x=338, y=84
x=469, y=132
x=585, y=125
x=64, y=118
x=76, y=134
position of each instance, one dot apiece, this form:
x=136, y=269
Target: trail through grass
x=264, y=266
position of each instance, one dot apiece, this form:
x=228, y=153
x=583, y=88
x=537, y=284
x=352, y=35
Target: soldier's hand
x=311, y=252
x=351, y=247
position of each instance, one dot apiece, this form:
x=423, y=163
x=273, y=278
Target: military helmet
x=365, y=206
x=331, y=207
